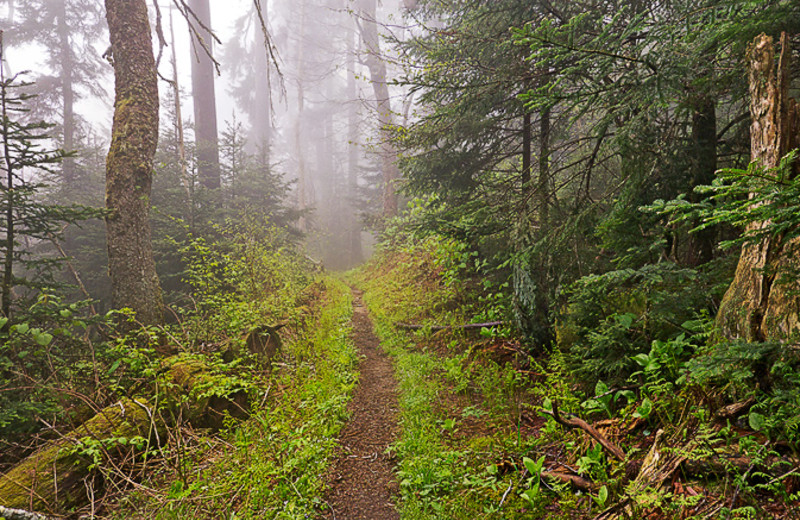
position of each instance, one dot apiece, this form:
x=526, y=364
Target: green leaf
x=21, y=328
x=534, y=468
x=626, y=320
x=600, y=388
x=114, y=366
x=645, y=409
x=43, y=338
x=756, y=421
x=602, y=496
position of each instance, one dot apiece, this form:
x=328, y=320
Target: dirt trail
x=362, y=485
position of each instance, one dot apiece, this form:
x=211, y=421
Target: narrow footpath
x=362, y=484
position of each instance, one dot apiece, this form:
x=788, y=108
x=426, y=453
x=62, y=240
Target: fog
x=305, y=114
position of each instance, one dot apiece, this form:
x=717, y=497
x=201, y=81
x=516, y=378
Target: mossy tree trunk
x=129, y=168
x=760, y=305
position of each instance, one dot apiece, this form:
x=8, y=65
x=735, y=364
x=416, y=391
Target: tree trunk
x=262, y=118
x=544, y=168
x=8, y=261
x=302, y=176
x=759, y=306
x=67, y=92
x=129, y=167
x=179, y=134
x=704, y=140
x=377, y=71
x=204, y=96
x=355, y=249
x=526, y=153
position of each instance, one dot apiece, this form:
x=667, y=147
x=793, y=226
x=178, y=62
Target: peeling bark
x=759, y=306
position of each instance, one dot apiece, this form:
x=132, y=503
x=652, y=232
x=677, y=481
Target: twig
x=510, y=486
x=576, y=422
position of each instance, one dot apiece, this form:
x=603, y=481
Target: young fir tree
x=26, y=221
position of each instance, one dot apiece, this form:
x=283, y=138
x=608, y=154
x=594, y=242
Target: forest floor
x=362, y=481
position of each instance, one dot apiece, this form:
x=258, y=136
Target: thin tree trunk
x=526, y=157
x=204, y=96
x=354, y=228
x=302, y=181
x=757, y=306
x=8, y=264
x=176, y=96
x=129, y=167
x=377, y=71
x=262, y=118
x=544, y=167
x=704, y=137
x=67, y=92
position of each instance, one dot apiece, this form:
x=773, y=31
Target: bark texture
x=205, y=101
x=129, y=168
x=759, y=306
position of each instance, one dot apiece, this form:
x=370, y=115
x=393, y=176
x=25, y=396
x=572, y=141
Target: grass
x=460, y=452
x=273, y=465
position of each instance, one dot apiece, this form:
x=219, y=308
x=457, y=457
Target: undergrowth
x=463, y=451
x=272, y=465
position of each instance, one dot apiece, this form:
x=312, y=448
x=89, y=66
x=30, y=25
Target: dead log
x=436, y=328
x=732, y=411
x=576, y=422
x=263, y=342
x=658, y=466
x=54, y=477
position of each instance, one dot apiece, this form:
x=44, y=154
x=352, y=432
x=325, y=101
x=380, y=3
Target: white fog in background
x=318, y=46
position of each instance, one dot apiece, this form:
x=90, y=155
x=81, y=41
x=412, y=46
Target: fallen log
x=576, y=422
x=658, y=466
x=436, y=328
x=55, y=477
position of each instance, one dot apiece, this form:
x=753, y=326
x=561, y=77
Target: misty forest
x=399, y=259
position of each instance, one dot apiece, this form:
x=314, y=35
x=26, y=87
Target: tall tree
x=68, y=31
x=204, y=96
x=129, y=166
x=380, y=87
x=354, y=246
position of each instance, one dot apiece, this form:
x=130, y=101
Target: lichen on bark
x=129, y=167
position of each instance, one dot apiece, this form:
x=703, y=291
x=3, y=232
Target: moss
x=54, y=476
